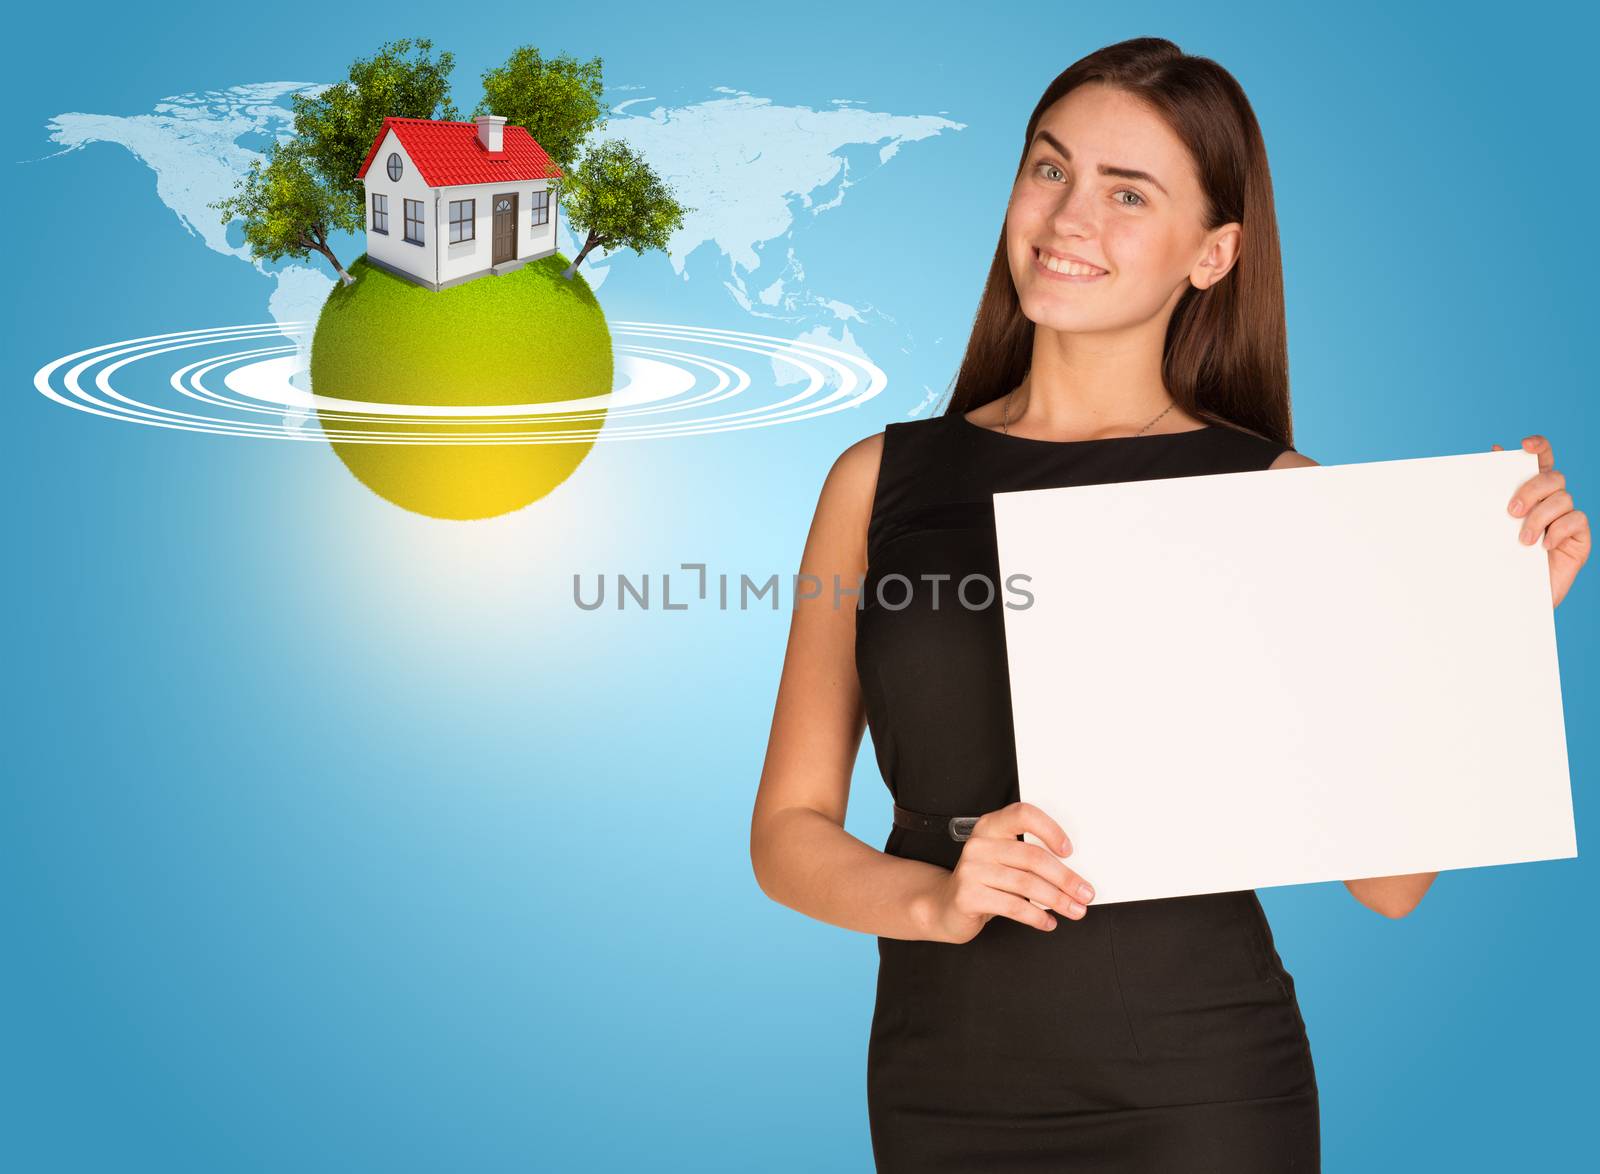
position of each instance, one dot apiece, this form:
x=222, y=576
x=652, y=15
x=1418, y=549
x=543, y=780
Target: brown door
x=505, y=228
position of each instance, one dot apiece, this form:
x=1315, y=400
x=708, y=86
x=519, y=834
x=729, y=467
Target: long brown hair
x=1226, y=355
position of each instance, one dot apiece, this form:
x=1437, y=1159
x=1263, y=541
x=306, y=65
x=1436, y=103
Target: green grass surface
x=529, y=336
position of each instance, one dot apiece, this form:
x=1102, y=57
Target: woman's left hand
x=1546, y=506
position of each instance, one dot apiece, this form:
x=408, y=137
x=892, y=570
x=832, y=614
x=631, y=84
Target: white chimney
x=491, y=129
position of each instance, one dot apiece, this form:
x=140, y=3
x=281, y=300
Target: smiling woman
x=1132, y=327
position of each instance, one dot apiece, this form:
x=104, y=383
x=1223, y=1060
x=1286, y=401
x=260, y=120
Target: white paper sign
x=1239, y=680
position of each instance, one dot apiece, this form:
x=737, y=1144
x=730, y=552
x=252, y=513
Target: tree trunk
x=344, y=278
x=582, y=253
x=319, y=242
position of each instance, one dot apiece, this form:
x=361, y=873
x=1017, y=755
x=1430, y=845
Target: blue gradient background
x=337, y=838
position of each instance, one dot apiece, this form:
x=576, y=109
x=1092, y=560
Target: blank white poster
x=1238, y=680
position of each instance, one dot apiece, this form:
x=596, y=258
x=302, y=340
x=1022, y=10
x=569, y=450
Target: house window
x=461, y=220
x=541, y=208
x=380, y=213
x=414, y=221
x=395, y=165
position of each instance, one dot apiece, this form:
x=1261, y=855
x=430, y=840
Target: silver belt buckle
x=961, y=826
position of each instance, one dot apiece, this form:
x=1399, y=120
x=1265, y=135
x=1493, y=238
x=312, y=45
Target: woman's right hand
x=998, y=873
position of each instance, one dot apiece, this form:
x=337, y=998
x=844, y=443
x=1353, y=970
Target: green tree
x=616, y=198
x=287, y=210
x=558, y=101
x=337, y=125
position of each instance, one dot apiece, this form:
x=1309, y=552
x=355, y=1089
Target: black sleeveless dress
x=1159, y=1035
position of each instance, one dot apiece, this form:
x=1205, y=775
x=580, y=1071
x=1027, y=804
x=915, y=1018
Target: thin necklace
x=1005, y=421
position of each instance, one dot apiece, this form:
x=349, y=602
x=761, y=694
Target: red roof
x=449, y=153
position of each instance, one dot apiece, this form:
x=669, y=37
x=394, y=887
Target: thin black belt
x=958, y=827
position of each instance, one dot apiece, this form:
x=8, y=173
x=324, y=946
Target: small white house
x=450, y=201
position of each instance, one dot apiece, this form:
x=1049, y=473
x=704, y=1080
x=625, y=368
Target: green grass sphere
x=527, y=336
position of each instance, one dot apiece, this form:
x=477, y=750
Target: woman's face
x=1117, y=189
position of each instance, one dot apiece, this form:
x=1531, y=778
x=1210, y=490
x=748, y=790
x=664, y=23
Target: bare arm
x=801, y=854
x=1392, y=896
